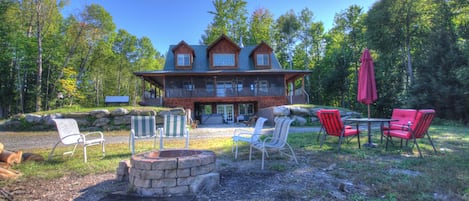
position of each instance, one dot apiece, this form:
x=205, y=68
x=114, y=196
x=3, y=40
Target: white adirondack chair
x=142, y=127
x=69, y=134
x=174, y=127
x=278, y=140
x=249, y=136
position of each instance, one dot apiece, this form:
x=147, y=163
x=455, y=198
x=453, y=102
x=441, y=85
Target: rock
x=119, y=112
x=299, y=120
x=33, y=118
x=142, y=113
x=101, y=122
x=300, y=111
x=100, y=113
x=76, y=115
x=281, y=111
x=49, y=117
x=121, y=120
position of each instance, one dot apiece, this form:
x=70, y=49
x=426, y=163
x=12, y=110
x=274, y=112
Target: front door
x=227, y=111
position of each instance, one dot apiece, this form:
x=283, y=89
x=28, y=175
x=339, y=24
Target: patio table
x=369, y=121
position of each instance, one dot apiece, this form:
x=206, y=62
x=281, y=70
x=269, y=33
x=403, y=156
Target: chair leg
x=53, y=149
x=431, y=142
x=319, y=133
x=293, y=153
x=418, y=148
x=236, y=151
x=104, y=151
x=84, y=154
x=250, y=152
x=322, y=139
x=263, y=155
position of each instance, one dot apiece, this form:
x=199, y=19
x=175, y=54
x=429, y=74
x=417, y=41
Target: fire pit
x=173, y=172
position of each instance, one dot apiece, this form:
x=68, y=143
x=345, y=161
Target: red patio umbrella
x=366, y=80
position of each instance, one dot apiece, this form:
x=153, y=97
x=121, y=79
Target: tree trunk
x=39, y=57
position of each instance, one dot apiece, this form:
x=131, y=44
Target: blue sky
x=167, y=22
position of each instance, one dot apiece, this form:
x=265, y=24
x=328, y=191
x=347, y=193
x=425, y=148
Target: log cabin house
x=223, y=82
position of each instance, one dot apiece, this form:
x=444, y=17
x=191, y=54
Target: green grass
x=394, y=174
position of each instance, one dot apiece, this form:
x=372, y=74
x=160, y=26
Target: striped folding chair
x=174, y=127
x=142, y=127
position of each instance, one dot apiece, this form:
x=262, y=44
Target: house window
x=263, y=86
x=184, y=59
x=223, y=59
x=246, y=109
x=263, y=60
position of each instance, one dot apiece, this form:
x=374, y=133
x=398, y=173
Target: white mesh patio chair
x=69, y=134
x=278, y=140
x=142, y=127
x=249, y=136
x=174, y=127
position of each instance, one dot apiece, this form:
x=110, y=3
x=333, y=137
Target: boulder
x=299, y=120
x=33, y=118
x=100, y=113
x=76, y=115
x=121, y=120
x=49, y=117
x=300, y=111
x=101, y=122
x=119, y=112
x=281, y=111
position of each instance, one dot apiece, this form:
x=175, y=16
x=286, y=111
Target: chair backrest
x=259, y=125
x=403, y=116
x=423, y=120
x=281, y=131
x=331, y=121
x=143, y=126
x=68, y=127
x=174, y=126
x=256, y=134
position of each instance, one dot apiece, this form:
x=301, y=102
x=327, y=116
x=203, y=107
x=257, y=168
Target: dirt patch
x=239, y=180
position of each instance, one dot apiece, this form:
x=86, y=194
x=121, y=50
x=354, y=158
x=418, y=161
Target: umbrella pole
x=369, y=144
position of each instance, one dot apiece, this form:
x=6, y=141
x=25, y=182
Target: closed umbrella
x=366, y=81
x=367, y=86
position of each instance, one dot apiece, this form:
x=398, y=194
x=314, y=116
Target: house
x=223, y=82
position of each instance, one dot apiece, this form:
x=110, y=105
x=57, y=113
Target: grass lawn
x=391, y=175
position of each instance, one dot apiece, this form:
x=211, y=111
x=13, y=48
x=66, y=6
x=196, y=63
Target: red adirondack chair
x=415, y=130
x=334, y=126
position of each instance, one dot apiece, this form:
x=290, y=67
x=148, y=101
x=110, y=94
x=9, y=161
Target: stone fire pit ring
x=173, y=172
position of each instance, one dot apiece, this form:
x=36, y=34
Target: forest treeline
x=420, y=50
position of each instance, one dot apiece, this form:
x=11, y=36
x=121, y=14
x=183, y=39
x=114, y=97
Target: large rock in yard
x=33, y=118
x=300, y=111
x=281, y=111
x=100, y=113
x=119, y=112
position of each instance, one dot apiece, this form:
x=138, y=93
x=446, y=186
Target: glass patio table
x=369, y=121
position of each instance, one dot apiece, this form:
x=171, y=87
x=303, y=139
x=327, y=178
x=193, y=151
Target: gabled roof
x=223, y=37
x=261, y=45
x=181, y=44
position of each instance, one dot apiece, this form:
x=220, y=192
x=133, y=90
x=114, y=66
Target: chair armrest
x=82, y=137
x=238, y=132
x=98, y=133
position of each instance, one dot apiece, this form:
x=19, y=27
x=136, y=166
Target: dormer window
x=223, y=54
x=223, y=59
x=261, y=56
x=183, y=56
x=263, y=60
x=183, y=59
